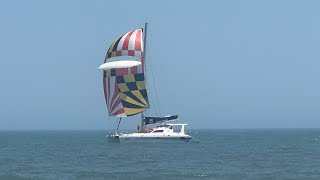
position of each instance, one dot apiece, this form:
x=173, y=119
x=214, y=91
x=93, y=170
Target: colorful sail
x=123, y=76
x=128, y=45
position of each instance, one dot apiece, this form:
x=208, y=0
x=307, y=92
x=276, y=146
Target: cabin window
x=157, y=131
x=176, y=128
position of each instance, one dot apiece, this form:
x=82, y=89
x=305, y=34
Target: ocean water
x=222, y=154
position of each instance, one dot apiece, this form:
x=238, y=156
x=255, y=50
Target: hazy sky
x=218, y=64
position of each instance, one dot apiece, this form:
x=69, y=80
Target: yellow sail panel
x=133, y=111
x=141, y=85
x=133, y=93
x=128, y=99
x=140, y=97
x=123, y=87
x=107, y=73
x=129, y=78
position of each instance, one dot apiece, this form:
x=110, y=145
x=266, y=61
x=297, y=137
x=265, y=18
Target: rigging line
x=152, y=99
x=118, y=125
x=146, y=69
x=154, y=84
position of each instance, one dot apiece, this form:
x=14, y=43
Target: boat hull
x=148, y=137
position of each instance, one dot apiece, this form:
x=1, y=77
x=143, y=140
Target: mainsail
x=123, y=76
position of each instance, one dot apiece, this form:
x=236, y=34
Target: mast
x=144, y=62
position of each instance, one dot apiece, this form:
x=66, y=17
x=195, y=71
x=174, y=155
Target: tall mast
x=145, y=45
x=144, y=64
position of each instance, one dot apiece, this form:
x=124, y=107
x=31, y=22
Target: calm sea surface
x=222, y=154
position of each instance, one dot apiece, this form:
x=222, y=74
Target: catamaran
x=126, y=93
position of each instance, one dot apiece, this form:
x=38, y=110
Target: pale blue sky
x=218, y=64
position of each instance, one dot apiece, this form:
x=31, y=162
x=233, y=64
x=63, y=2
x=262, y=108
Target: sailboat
x=125, y=91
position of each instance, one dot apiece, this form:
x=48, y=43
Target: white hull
x=161, y=133
x=147, y=137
